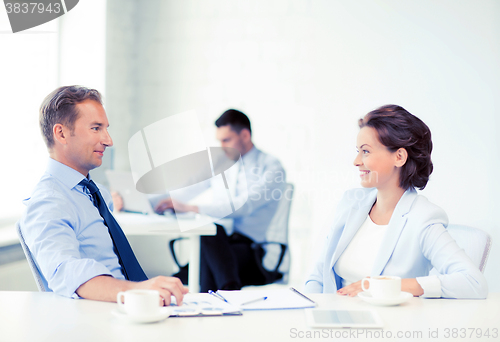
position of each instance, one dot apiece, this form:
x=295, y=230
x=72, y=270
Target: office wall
x=82, y=55
x=305, y=71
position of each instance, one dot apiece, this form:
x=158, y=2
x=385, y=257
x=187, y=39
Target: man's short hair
x=236, y=119
x=59, y=107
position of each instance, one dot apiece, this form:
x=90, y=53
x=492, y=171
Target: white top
x=356, y=262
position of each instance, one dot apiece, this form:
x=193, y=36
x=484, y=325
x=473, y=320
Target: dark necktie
x=130, y=266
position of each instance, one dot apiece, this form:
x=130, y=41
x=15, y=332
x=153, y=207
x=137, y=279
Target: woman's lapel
x=396, y=227
x=357, y=215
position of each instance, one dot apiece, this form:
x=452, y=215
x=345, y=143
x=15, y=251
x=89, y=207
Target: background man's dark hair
x=59, y=107
x=236, y=119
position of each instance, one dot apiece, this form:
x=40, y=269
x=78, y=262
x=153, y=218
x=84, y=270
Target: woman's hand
x=407, y=285
x=412, y=286
x=351, y=290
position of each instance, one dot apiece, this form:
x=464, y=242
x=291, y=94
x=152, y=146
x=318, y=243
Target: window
x=28, y=72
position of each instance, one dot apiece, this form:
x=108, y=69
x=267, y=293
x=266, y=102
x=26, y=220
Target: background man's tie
x=130, y=266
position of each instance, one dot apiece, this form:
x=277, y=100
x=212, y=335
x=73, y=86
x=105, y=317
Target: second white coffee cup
x=382, y=286
x=139, y=302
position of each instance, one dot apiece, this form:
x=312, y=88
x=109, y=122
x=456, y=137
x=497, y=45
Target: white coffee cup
x=382, y=286
x=139, y=302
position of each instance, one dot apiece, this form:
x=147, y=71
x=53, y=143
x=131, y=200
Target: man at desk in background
x=229, y=262
x=76, y=243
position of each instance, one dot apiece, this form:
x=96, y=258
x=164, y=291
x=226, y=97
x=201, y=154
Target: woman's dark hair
x=59, y=107
x=397, y=128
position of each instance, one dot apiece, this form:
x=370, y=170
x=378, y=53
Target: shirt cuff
x=72, y=274
x=431, y=286
x=212, y=210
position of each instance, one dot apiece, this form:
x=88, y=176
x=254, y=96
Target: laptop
x=133, y=200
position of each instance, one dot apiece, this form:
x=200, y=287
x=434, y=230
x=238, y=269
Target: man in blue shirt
x=228, y=260
x=63, y=229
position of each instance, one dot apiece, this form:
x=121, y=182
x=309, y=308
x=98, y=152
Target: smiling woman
x=387, y=228
x=406, y=135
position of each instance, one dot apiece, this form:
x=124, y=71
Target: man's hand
x=117, y=201
x=105, y=288
x=164, y=205
x=180, y=207
x=167, y=286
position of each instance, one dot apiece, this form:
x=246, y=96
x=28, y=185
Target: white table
x=138, y=224
x=34, y=316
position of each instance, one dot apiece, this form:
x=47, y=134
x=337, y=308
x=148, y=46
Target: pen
x=254, y=300
x=300, y=294
x=217, y=295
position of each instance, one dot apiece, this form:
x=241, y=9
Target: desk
x=138, y=224
x=37, y=316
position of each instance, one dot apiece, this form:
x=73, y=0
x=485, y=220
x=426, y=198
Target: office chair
x=272, y=256
x=40, y=281
x=275, y=263
x=475, y=242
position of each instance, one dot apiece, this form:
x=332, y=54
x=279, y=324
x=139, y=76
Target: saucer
x=164, y=313
x=403, y=297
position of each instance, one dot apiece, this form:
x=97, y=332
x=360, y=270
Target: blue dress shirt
x=65, y=232
x=264, y=180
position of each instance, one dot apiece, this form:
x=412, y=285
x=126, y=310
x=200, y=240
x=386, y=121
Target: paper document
x=202, y=304
x=274, y=299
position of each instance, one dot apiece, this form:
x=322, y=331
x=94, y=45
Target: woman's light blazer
x=415, y=242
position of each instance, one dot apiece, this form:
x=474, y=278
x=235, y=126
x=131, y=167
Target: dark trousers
x=229, y=262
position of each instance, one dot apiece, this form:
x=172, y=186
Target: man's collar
x=250, y=155
x=65, y=174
